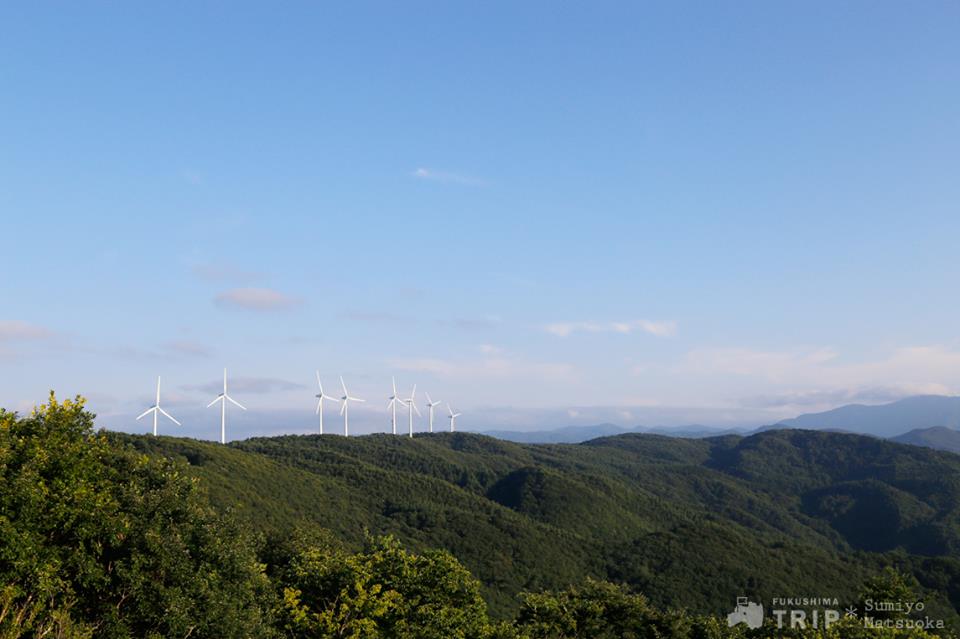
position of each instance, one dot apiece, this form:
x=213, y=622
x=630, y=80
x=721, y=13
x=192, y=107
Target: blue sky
x=546, y=213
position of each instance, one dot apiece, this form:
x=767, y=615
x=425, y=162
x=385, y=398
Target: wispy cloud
x=483, y=323
x=188, y=348
x=836, y=397
x=253, y=385
x=256, y=299
x=805, y=378
x=449, y=177
x=658, y=329
x=219, y=272
x=493, y=363
x=16, y=330
x=490, y=349
x=375, y=317
x=17, y=338
x=775, y=366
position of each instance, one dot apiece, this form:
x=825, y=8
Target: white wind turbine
x=320, y=397
x=430, y=405
x=453, y=417
x=345, y=408
x=223, y=398
x=392, y=406
x=411, y=406
x=155, y=409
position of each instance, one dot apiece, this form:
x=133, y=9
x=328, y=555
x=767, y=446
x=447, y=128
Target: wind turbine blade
x=428, y=398
x=235, y=402
x=413, y=393
x=343, y=407
x=169, y=416
x=147, y=412
x=318, y=382
x=342, y=383
x=214, y=401
x=319, y=405
x=415, y=408
x=394, y=380
x=357, y=399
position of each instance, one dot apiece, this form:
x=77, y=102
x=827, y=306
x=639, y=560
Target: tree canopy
x=102, y=540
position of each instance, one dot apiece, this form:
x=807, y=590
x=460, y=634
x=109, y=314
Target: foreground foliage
x=99, y=540
x=96, y=539
x=381, y=591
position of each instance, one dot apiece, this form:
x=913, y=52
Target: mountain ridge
x=580, y=434
x=888, y=421
x=937, y=437
x=691, y=522
x=885, y=420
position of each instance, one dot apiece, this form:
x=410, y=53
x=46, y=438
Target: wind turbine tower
x=345, y=407
x=155, y=409
x=223, y=398
x=411, y=406
x=453, y=418
x=320, y=397
x=393, y=406
x=430, y=406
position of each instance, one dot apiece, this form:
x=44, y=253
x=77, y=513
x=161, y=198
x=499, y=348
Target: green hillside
x=938, y=437
x=690, y=523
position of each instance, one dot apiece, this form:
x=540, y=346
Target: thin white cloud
x=377, y=317
x=493, y=363
x=188, y=348
x=219, y=272
x=483, y=323
x=490, y=349
x=16, y=330
x=775, y=366
x=256, y=299
x=819, y=377
x=656, y=328
x=434, y=175
x=432, y=365
x=837, y=397
x=253, y=385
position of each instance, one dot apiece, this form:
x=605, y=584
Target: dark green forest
x=458, y=535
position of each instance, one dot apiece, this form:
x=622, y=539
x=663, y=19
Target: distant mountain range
x=885, y=420
x=924, y=420
x=578, y=434
x=938, y=437
x=566, y=435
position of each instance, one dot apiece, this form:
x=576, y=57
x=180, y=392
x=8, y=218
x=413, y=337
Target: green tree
x=888, y=595
x=97, y=536
x=383, y=591
x=595, y=610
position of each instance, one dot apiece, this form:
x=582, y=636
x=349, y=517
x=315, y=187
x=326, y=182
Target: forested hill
x=691, y=523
